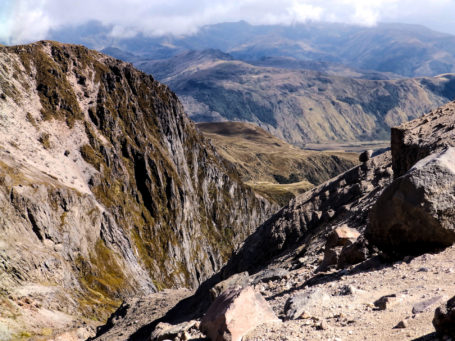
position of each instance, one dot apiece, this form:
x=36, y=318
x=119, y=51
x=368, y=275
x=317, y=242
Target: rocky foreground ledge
x=364, y=256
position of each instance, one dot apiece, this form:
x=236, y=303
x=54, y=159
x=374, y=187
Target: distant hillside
x=271, y=166
x=300, y=106
x=407, y=50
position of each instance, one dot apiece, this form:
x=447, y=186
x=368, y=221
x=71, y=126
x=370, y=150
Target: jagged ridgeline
x=107, y=188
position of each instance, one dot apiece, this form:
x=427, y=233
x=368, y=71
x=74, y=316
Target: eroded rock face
x=415, y=214
x=106, y=187
x=234, y=313
x=345, y=201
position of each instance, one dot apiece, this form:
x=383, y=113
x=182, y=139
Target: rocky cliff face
x=106, y=187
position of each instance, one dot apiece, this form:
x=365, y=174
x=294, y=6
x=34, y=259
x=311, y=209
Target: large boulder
x=444, y=318
x=234, y=313
x=416, y=213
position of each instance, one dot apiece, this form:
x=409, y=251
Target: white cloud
x=26, y=20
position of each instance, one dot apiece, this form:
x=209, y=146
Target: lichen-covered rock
x=239, y=280
x=270, y=275
x=415, y=214
x=310, y=302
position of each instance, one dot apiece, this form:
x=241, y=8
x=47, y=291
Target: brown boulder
x=353, y=254
x=234, y=313
x=339, y=250
x=416, y=214
x=341, y=236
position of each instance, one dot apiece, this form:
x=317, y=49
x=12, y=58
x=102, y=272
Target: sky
x=23, y=21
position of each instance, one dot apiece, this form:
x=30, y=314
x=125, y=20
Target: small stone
x=322, y=326
x=385, y=302
x=420, y=307
x=168, y=331
x=347, y=290
x=305, y=316
x=401, y=324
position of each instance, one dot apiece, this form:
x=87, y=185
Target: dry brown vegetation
x=271, y=166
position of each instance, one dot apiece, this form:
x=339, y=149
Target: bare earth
x=354, y=316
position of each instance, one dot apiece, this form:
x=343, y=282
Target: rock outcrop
x=444, y=318
x=414, y=140
x=415, y=214
x=302, y=227
x=106, y=187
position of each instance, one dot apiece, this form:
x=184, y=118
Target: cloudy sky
x=28, y=20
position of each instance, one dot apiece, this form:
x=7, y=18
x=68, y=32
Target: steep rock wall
x=107, y=187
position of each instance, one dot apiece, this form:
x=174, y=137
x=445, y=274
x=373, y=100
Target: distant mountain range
x=407, y=50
